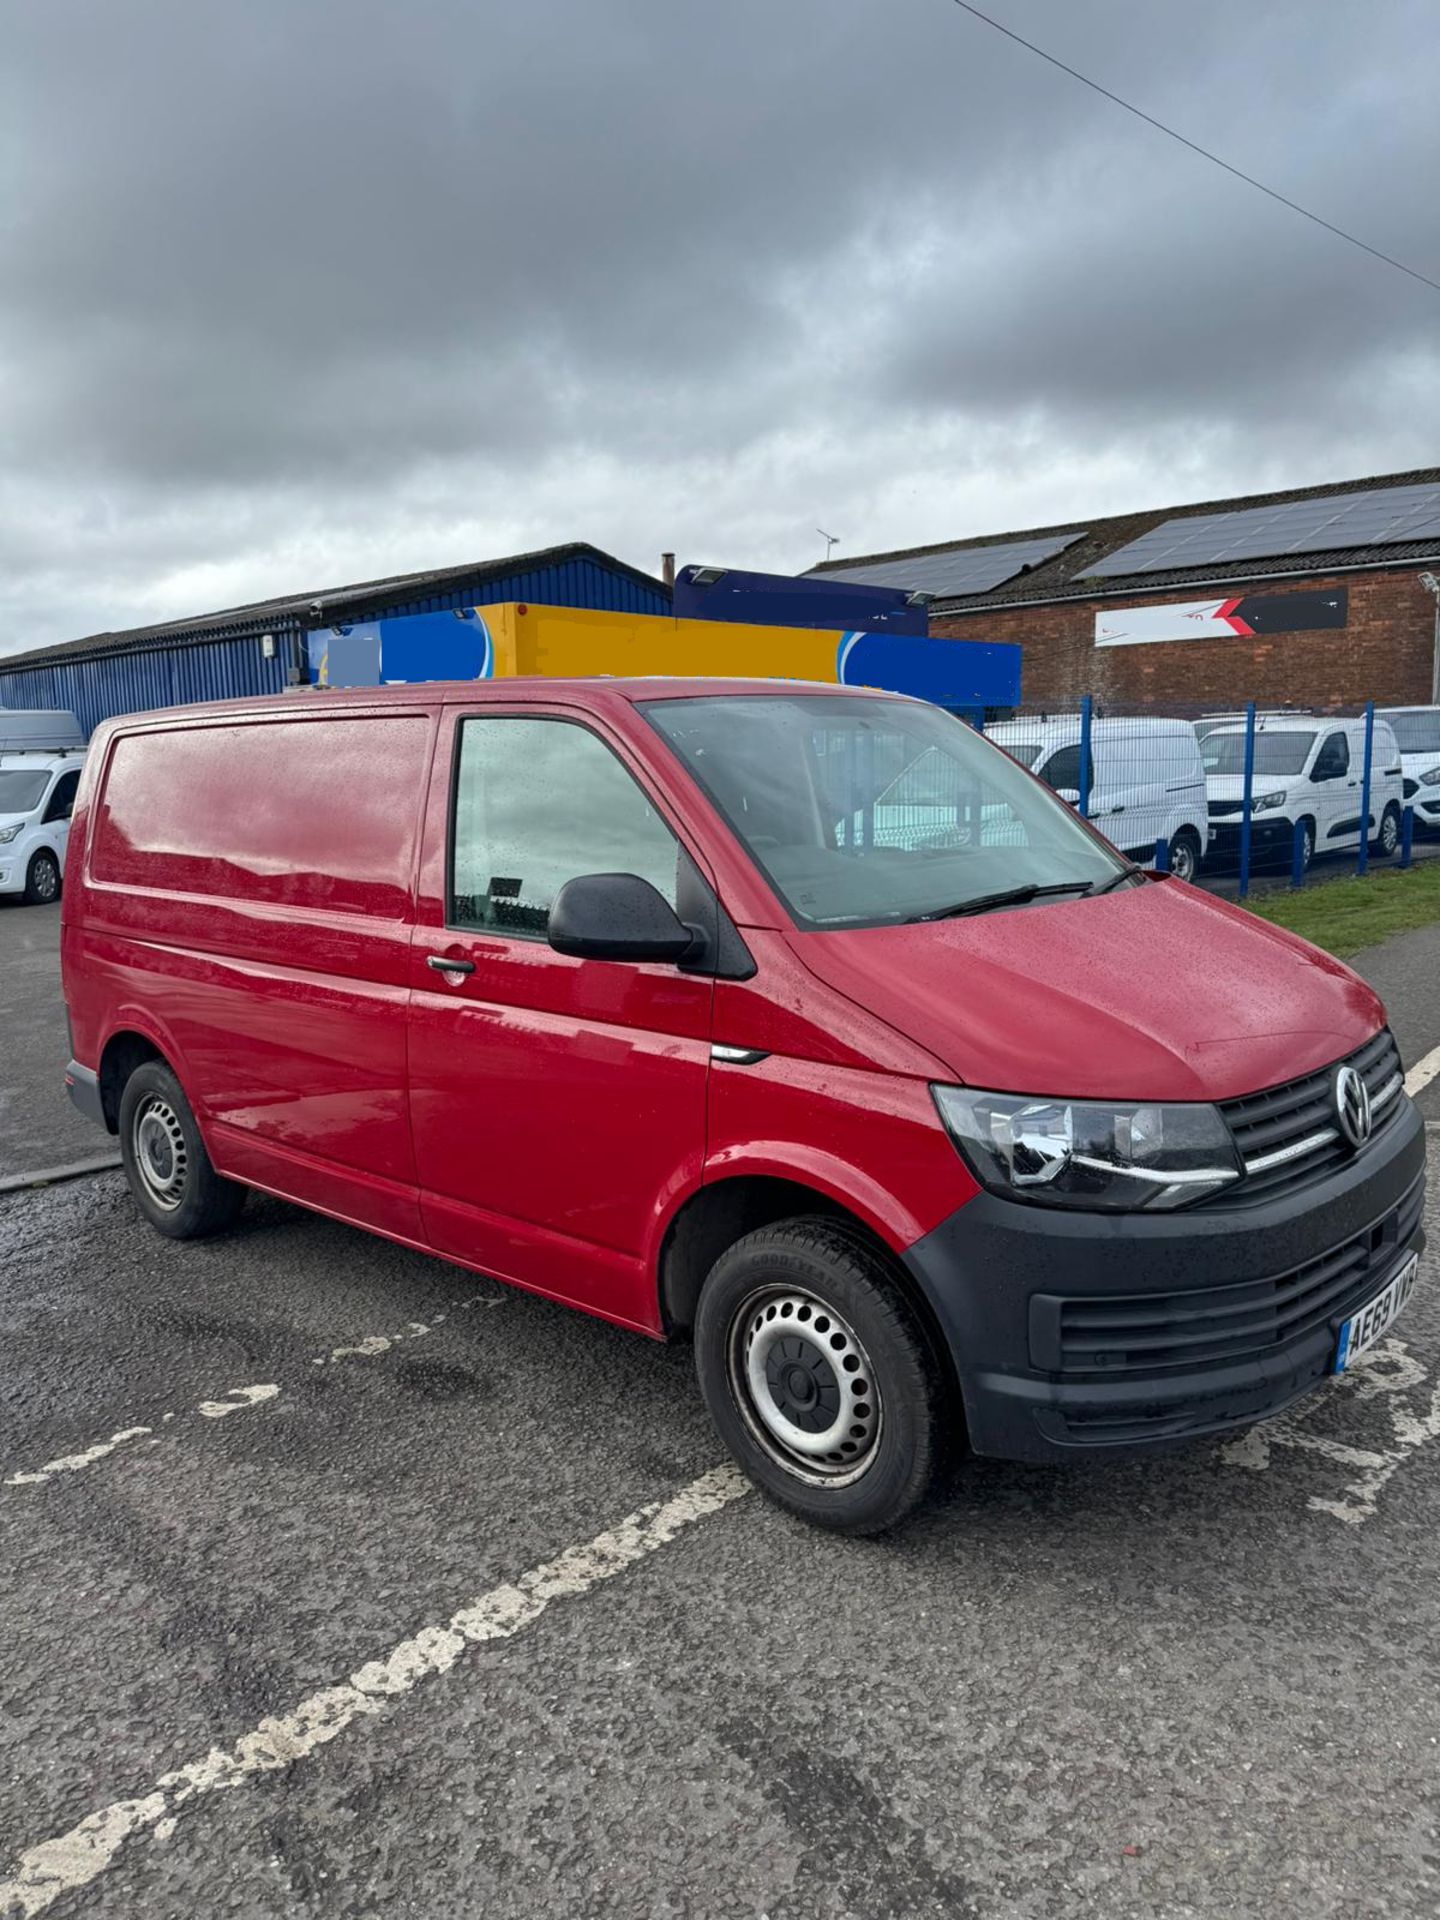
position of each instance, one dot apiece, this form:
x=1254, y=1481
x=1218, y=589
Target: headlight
x=7, y=834
x=1111, y=1154
x=1266, y=800
x=1431, y=779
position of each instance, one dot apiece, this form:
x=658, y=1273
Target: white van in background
x=1417, y=729
x=1147, y=782
x=41, y=754
x=1307, y=770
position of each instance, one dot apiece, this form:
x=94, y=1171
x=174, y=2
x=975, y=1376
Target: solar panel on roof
x=1378, y=516
x=958, y=570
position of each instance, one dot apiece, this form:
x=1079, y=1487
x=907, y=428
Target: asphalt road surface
x=339, y=1582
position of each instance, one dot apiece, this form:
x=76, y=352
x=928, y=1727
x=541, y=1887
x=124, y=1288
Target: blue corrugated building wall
x=220, y=656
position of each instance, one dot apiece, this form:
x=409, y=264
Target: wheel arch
x=127, y=1047
x=715, y=1216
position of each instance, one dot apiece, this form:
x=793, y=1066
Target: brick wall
x=1383, y=654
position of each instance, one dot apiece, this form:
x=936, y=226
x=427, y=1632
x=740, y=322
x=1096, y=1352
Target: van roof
x=594, y=691
x=1031, y=727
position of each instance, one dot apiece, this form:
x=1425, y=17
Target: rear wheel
x=42, y=879
x=1185, y=854
x=1388, y=838
x=171, y=1176
x=819, y=1377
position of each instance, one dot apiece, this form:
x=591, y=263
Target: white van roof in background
x=39, y=730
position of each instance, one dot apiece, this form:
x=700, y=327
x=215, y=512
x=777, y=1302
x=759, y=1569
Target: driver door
x=557, y=1105
x=1337, y=793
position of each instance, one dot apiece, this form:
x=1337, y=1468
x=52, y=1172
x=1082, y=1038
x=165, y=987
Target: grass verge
x=1345, y=915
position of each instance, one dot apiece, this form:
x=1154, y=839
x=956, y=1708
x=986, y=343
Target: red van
x=799, y=1020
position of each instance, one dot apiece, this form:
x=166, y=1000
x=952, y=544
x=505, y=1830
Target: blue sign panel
x=789, y=600
x=395, y=653
x=968, y=674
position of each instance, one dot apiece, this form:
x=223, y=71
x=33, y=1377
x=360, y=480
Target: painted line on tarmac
x=1390, y=1371
x=1423, y=1072
x=77, y=1858
x=238, y=1399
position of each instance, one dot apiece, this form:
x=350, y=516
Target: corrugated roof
x=293, y=608
x=1062, y=577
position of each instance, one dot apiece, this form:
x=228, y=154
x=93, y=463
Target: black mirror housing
x=616, y=916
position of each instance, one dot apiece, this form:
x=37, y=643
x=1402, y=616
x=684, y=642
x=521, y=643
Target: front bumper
x=1270, y=835
x=1001, y=1278
x=83, y=1087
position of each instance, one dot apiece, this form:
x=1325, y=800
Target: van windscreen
x=22, y=788
x=1274, y=752
x=1416, y=732
x=862, y=812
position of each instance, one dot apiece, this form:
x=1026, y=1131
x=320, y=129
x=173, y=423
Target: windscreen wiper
x=1012, y=897
x=1108, y=886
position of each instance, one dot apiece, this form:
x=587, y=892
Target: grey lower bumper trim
x=83, y=1086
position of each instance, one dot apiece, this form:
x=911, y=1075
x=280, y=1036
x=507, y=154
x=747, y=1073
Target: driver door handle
x=442, y=963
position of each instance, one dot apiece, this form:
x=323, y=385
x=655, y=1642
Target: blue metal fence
x=1238, y=797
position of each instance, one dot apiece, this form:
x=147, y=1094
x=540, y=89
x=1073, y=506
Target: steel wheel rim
x=1389, y=833
x=47, y=878
x=804, y=1386
x=162, y=1161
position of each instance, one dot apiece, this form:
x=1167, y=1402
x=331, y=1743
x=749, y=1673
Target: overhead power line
x=1195, y=147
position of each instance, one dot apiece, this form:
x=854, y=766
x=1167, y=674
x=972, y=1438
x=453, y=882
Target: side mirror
x=616, y=916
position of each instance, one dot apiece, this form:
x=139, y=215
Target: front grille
x=1149, y=1333
x=1412, y=787
x=1288, y=1135
x=1218, y=809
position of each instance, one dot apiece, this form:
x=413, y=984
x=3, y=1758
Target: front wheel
x=1388, y=838
x=818, y=1375
x=1185, y=854
x=1307, y=844
x=171, y=1176
x=42, y=880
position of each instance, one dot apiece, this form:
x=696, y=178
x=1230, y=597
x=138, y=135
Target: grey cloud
x=286, y=284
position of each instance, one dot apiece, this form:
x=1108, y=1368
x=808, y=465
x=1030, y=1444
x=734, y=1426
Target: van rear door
x=558, y=1105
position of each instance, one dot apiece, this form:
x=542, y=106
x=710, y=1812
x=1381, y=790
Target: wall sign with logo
x=1246, y=615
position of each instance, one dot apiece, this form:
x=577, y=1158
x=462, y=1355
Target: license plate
x=1363, y=1329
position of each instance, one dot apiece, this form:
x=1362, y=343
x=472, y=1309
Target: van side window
x=537, y=803
x=1062, y=769
x=1333, y=759
x=62, y=796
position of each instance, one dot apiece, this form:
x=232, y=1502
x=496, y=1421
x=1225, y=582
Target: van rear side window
x=300, y=813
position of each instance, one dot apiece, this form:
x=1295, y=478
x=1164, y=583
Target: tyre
x=1185, y=854
x=170, y=1173
x=1388, y=838
x=1307, y=844
x=818, y=1375
x=42, y=879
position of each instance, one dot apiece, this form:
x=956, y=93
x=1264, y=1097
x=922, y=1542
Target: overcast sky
x=296, y=294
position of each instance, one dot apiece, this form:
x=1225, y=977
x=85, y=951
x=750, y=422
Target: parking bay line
x=236, y=1399
x=1423, y=1072
x=78, y=1857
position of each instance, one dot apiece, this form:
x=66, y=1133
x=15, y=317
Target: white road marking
x=238, y=1399
x=1423, y=1072
x=74, y=1462
x=1391, y=1370
x=377, y=1343
x=77, y=1858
